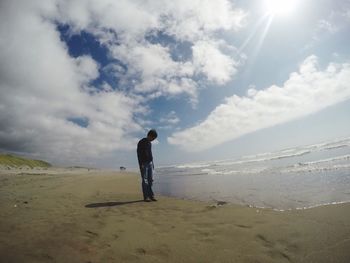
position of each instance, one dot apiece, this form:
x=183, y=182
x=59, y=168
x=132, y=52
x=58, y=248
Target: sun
x=280, y=7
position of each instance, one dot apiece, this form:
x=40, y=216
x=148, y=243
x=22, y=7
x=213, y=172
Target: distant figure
x=145, y=158
x=122, y=168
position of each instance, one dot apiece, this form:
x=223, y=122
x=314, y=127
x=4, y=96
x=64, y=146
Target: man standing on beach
x=145, y=158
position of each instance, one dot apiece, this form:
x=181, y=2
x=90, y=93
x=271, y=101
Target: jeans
x=147, y=180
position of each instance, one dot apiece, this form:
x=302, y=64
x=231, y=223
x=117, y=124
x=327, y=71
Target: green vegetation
x=16, y=161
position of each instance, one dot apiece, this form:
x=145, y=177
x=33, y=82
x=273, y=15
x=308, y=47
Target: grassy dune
x=16, y=161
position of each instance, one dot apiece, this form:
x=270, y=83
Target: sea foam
x=294, y=178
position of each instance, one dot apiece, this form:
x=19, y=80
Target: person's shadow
x=108, y=204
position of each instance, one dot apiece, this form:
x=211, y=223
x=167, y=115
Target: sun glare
x=280, y=7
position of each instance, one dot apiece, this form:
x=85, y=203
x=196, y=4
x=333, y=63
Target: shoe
x=153, y=199
x=146, y=200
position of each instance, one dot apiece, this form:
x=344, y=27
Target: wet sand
x=80, y=215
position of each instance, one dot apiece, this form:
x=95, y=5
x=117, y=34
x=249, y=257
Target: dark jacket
x=144, y=151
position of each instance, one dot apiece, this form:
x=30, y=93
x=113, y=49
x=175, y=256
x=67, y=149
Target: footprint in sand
x=243, y=226
x=91, y=234
x=274, y=251
x=141, y=251
x=264, y=240
x=162, y=252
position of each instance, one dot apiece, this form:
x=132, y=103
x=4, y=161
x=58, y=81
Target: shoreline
x=259, y=207
x=99, y=216
x=55, y=170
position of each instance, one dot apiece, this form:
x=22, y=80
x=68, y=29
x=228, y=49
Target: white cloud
x=156, y=71
x=42, y=88
x=159, y=74
x=305, y=92
x=86, y=68
x=191, y=20
x=327, y=26
x=209, y=60
x=336, y=22
x=170, y=118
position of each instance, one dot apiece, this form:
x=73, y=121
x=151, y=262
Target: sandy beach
x=81, y=215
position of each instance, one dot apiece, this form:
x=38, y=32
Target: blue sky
x=82, y=81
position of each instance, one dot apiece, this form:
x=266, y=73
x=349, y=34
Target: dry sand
x=97, y=216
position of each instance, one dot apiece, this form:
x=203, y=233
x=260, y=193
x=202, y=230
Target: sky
x=81, y=82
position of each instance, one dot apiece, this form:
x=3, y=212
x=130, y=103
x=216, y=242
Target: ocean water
x=294, y=178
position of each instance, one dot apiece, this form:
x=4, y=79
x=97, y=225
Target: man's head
x=152, y=134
